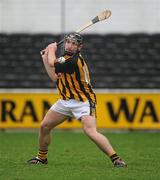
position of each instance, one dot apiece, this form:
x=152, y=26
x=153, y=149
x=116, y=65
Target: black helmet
x=75, y=36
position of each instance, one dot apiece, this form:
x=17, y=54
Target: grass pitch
x=72, y=156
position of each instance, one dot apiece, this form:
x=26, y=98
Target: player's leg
x=51, y=120
x=89, y=127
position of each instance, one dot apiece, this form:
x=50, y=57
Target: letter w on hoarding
x=123, y=108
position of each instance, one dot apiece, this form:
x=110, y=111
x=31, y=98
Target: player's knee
x=44, y=127
x=89, y=131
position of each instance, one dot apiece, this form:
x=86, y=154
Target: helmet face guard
x=75, y=37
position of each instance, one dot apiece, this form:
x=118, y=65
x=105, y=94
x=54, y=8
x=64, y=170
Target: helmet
x=75, y=36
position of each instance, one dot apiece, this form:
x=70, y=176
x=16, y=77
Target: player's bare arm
x=50, y=69
x=52, y=48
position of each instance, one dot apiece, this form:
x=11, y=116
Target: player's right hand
x=52, y=46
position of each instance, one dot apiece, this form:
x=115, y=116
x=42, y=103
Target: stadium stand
x=115, y=60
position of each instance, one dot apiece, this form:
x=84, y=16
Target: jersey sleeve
x=68, y=66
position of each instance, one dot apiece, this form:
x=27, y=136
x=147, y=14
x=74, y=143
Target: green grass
x=72, y=156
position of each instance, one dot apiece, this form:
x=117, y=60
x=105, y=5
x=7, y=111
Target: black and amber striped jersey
x=74, y=82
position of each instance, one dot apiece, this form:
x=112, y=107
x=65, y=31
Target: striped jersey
x=74, y=82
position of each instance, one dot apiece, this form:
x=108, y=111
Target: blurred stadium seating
x=115, y=60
